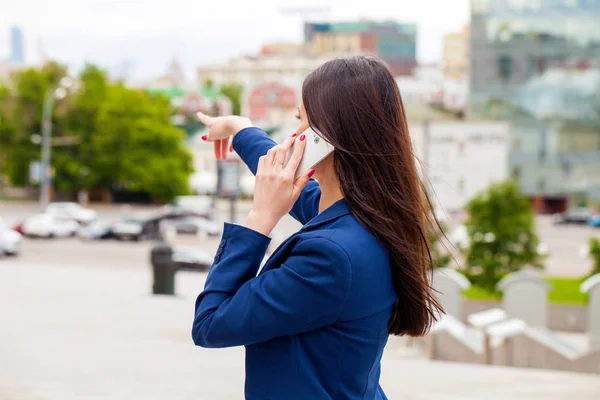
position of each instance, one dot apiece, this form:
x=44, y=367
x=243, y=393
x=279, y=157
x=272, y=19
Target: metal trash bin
x=163, y=269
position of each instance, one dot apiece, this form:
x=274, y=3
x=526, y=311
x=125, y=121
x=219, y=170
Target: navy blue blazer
x=314, y=320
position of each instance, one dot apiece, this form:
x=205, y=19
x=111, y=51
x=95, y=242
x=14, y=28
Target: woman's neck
x=330, y=192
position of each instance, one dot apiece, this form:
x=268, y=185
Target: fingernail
x=204, y=137
x=302, y=137
x=294, y=135
x=311, y=172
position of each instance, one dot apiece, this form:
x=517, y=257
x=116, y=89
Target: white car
x=10, y=240
x=72, y=211
x=49, y=225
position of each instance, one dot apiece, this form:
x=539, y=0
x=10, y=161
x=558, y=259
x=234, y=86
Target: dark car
x=579, y=216
x=97, y=230
x=132, y=229
x=194, y=225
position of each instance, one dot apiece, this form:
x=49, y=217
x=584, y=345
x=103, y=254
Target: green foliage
x=234, y=93
x=476, y=292
x=594, y=246
x=564, y=291
x=76, y=166
x=21, y=116
x=502, y=234
x=137, y=147
x=122, y=137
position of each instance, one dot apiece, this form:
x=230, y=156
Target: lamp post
x=55, y=93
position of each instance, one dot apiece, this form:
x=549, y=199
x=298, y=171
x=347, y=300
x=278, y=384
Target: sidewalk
x=93, y=333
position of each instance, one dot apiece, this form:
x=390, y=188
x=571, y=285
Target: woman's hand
x=275, y=191
x=221, y=129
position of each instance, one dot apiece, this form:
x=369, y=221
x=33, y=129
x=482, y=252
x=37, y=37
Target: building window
x=516, y=173
x=541, y=185
x=505, y=67
x=541, y=65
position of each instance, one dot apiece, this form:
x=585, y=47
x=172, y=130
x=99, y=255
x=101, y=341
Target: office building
x=17, y=47
x=537, y=64
x=394, y=43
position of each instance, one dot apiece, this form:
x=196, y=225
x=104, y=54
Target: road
x=93, y=331
x=564, y=242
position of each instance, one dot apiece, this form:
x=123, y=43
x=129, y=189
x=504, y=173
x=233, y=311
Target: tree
x=21, y=115
x=595, y=254
x=136, y=146
x=76, y=168
x=234, y=93
x=502, y=236
x=123, y=137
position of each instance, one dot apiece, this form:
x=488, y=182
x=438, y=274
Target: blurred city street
x=79, y=323
x=94, y=332
x=564, y=242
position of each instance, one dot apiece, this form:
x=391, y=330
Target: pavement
x=84, y=330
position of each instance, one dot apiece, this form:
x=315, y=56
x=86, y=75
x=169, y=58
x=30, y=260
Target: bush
x=595, y=254
x=502, y=236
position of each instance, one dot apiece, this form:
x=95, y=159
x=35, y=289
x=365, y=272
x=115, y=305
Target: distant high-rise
x=394, y=43
x=17, y=51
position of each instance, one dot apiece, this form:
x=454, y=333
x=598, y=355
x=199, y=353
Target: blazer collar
x=336, y=210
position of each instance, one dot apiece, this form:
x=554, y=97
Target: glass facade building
x=17, y=50
x=536, y=63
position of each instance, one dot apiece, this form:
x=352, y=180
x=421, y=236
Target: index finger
x=297, y=154
x=205, y=119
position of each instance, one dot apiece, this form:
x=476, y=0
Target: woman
x=316, y=319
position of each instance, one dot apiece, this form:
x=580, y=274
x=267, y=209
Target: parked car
x=595, y=221
x=195, y=226
x=200, y=206
x=10, y=240
x=49, y=225
x=581, y=215
x=18, y=227
x=192, y=259
x=132, y=229
x=73, y=211
x=97, y=230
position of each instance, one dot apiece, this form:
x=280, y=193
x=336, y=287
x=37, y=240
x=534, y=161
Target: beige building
x=288, y=68
x=457, y=49
x=327, y=42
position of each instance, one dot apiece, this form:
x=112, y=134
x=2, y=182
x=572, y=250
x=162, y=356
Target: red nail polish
x=204, y=137
x=311, y=173
x=302, y=137
x=294, y=135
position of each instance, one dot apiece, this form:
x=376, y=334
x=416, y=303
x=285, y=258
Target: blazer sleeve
x=304, y=293
x=251, y=144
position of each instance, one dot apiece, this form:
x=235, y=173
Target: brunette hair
x=356, y=105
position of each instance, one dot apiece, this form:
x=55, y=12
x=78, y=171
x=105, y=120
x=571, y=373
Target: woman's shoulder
x=349, y=236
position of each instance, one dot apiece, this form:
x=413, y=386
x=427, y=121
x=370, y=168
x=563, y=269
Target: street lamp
x=56, y=93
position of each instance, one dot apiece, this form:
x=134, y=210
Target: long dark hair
x=356, y=105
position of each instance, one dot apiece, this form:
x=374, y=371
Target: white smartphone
x=315, y=151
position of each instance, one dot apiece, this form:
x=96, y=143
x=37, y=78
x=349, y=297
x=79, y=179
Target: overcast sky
x=146, y=34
